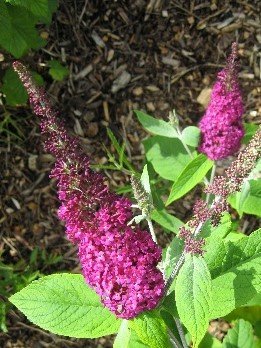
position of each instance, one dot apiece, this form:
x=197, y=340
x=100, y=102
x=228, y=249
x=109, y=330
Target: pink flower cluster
x=221, y=126
x=119, y=262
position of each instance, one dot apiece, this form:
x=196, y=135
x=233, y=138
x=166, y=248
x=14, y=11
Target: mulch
x=122, y=55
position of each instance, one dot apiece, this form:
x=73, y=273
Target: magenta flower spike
x=221, y=126
x=118, y=261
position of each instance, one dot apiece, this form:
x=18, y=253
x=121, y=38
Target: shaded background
x=122, y=55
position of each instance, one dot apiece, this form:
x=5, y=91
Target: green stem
x=151, y=228
x=211, y=181
x=181, y=333
x=183, y=143
x=173, y=340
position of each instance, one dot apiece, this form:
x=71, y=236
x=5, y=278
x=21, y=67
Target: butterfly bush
x=122, y=262
x=221, y=126
x=118, y=261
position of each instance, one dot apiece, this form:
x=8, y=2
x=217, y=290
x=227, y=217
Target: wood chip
x=138, y=91
x=152, y=88
x=121, y=82
x=245, y=75
x=110, y=55
x=16, y=203
x=97, y=39
x=92, y=129
x=32, y=162
x=163, y=105
x=170, y=61
x=204, y=96
x=84, y=72
x=232, y=27
x=78, y=128
x=150, y=106
x=106, y=110
x=225, y=23
x=165, y=13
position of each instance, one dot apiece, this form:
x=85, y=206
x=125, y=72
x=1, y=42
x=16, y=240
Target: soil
x=152, y=55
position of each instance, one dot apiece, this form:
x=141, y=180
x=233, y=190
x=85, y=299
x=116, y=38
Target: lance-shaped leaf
x=162, y=217
x=155, y=126
x=135, y=342
x=239, y=336
x=194, y=296
x=191, y=135
x=168, y=156
x=166, y=220
x=65, y=305
x=122, y=339
x=145, y=179
x=249, y=200
x=151, y=329
x=191, y=175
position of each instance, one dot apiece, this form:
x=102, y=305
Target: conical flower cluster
x=118, y=261
x=221, y=126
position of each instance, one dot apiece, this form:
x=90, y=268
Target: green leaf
x=41, y=9
x=167, y=156
x=250, y=129
x=166, y=220
x=118, y=148
x=251, y=314
x=151, y=329
x=210, y=342
x=255, y=301
x=13, y=89
x=257, y=332
x=191, y=135
x=155, y=126
x=221, y=231
x=191, y=175
x=242, y=197
x=171, y=324
x=194, y=296
x=3, y=317
x=169, y=304
x=236, y=270
x=65, y=305
x=37, y=78
x=240, y=336
x=170, y=256
x=251, y=199
x=234, y=236
x=57, y=70
x=17, y=28
x=123, y=337
x=135, y=342
x=145, y=180
x=161, y=216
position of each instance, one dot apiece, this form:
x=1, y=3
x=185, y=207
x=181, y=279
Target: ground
x=122, y=55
